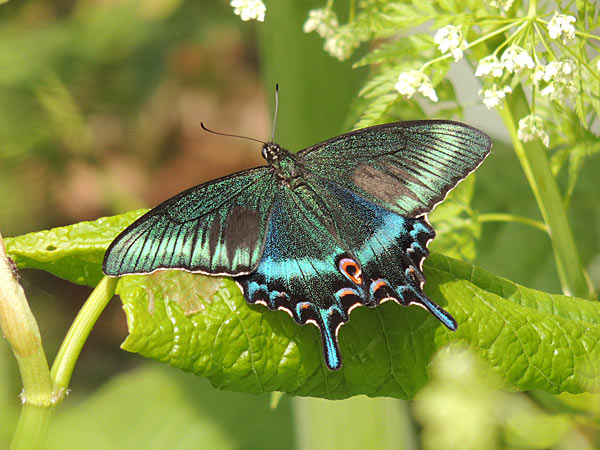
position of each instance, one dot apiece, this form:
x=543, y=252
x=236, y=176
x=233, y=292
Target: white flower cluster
x=490, y=65
x=249, y=9
x=494, y=96
x=559, y=77
x=532, y=127
x=450, y=39
x=562, y=25
x=516, y=59
x=504, y=4
x=323, y=21
x=413, y=81
x=339, y=42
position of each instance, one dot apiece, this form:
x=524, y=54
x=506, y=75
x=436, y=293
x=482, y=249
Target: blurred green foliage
x=100, y=111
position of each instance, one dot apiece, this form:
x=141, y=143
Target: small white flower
x=450, y=39
x=427, y=90
x=538, y=74
x=323, y=21
x=413, y=81
x=562, y=24
x=408, y=82
x=249, y=9
x=341, y=43
x=515, y=59
x=489, y=66
x=504, y=4
x=532, y=127
x=494, y=96
x=559, y=77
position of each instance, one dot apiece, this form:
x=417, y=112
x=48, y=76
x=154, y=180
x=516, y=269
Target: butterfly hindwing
x=216, y=228
x=406, y=167
x=298, y=271
x=390, y=249
x=344, y=251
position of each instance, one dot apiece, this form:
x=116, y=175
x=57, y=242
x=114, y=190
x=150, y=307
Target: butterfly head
x=272, y=152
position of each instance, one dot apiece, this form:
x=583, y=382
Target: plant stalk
x=22, y=333
x=69, y=351
x=534, y=160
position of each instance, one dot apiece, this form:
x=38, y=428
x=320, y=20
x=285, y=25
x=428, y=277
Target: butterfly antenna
x=276, y=110
x=230, y=135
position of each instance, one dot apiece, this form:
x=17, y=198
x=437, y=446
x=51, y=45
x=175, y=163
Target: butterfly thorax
x=284, y=165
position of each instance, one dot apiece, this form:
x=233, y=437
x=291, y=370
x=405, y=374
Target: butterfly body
x=317, y=233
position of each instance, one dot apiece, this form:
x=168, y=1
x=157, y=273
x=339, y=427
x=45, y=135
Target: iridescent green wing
x=405, y=167
x=216, y=228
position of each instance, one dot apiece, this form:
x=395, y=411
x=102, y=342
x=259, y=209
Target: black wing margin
x=405, y=167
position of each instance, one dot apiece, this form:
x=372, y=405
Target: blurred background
x=100, y=110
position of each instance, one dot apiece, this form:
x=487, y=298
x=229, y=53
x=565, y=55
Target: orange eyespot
x=347, y=292
x=351, y=270
x=377, y=285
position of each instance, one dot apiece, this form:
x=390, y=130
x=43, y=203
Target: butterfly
x=317, y=233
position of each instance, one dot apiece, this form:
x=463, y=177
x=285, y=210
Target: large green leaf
x=74, y=252
x=531, y=339
x=202, y=324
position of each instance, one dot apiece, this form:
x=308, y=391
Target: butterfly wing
x=298, y=271
x=331, y=250
x=406, y=167
x=216, y=228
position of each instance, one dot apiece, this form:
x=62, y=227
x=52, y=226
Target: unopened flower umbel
x=532, y=127
x=501, y=4
x=413, y=81
x=249, y=9
x=449, y=39
x=322, y=20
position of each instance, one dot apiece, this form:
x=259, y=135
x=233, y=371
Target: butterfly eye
x=264, y=152
x=351, y=270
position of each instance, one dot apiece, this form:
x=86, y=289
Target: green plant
x=539, y=69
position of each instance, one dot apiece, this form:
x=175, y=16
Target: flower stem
x=20, y=329
x=32, y=428
x=69, y=351
x=512, y=218
x=42, y=389
x=534, y=160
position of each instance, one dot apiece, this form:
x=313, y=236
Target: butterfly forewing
x=406, y=167
x=215, y=228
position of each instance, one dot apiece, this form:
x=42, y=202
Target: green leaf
x=533, y=340
x=455, y=224
x=74, y=252
x=202, y=324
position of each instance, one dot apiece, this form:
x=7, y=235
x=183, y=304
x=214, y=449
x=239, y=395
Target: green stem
x=512, y=218
x=69, y=351
x=32, y=428
x=20, y=329
x=44, y=389
x=534, y=160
